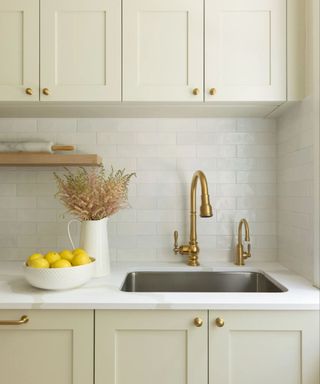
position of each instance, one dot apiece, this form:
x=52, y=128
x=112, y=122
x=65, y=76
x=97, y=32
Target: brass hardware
x=196, y=91
x=192, y=250
x=46, y=91
x=212, y=91
x=198, y=322
x=219, y=322
x=23, y=320
x=29, y=91
x=241, y=255
x=175, y=245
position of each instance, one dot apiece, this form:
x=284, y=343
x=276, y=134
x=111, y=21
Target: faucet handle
x=249, y=250
x=176, y=245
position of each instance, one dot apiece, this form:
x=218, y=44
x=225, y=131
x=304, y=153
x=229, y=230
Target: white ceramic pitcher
x=94, y=240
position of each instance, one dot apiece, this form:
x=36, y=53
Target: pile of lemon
x=63, y=259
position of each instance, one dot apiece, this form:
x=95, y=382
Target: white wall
x=298, y=166
x=295, y=189
x=237, y=155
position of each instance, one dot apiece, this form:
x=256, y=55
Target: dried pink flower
x=93, y=195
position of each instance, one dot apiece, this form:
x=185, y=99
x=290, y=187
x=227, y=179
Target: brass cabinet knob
x=219, y=322
x=198, y=322
x=212, y=91
x=196, y=91
x=46, y=91
x=29, y=91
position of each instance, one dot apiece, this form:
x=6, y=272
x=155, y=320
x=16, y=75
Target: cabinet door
x=19, y=47
x=54, y=347
x=162, y=50
x=80, y=50
x=245, y=50
x=143, y=347
x=264, y=347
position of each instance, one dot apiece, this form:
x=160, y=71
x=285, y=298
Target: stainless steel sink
x=200, y=281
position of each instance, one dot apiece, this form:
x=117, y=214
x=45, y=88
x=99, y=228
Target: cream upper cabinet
x=19, y=47
x=245, y=50
x=80, y=50
x=264, y=347
x=162, y=50
x=143, y=347
x=53, y=347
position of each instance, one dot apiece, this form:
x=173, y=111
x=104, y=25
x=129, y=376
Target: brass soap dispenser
x=241, y=255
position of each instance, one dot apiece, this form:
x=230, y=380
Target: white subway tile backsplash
x=237, y=155
x=295, y=189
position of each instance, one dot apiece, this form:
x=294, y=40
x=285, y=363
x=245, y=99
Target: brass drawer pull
x=212, y=91
x=196, y=91
x=46, y=91
x=29, y=91
x=23, y=320
x=198, y=322
x=219, y=322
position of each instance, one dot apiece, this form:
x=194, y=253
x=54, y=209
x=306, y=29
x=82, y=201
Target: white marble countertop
x=104, y=293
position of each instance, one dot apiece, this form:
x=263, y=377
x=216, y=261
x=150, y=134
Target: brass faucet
x=241, y=255
x=192, y=249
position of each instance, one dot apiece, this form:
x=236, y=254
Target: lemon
x=34, y=257
x=80, y=259
x=66, y=255
x=79, y=251
x=52, y=257
x=41, y=262
x=62, y=263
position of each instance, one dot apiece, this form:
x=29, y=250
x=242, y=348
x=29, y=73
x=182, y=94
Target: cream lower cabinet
x=144, y=347
x=165, y=347
x=53, y=347
x=264, y=347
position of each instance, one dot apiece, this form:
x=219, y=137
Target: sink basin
x=200, y=281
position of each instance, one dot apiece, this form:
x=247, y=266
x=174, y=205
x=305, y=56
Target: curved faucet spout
x=205, y=208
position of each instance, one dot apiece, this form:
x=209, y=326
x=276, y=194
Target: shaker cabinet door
x=162, y=50
x=80, y=50
x=264, y=347
x=144, y=347
x=53, y=347
x=19, y=49
x=245, y=50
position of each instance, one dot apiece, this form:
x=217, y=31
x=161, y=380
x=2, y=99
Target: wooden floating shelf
x=47, y=159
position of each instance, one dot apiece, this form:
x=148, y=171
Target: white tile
x=76, y=138
x=257, y=151
x=16, y=202
x=156, y=189
x=218, y=151
x=156, y=164
x=193, y=164
x=256, y=177
x=116, y=138
x=216, y=125
x=8, y=189
x=256, y=125
x=158, y=138
x=61, y=126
